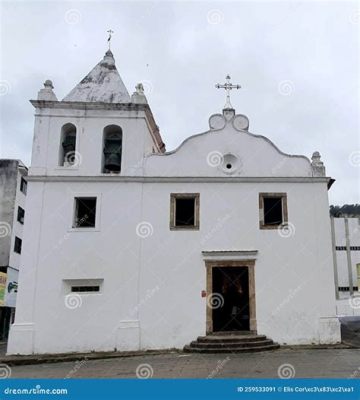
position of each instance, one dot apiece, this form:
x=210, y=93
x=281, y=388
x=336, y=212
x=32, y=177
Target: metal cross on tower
x=110, y=32
x=227, y=86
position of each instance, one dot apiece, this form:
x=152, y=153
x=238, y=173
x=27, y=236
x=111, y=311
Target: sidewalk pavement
x=12, y=360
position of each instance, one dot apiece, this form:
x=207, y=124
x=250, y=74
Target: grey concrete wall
x=8, y=182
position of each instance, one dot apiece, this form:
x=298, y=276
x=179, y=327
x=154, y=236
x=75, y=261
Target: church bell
x=112, y=153
x=112, y=162
x=69, y=144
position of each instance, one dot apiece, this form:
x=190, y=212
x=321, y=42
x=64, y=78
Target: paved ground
x=3, y=346
x=343, y=363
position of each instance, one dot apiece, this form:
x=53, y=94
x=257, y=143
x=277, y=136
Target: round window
x=231, y=163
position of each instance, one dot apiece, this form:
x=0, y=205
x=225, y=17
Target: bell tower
x=85, y=146
x=97, y=129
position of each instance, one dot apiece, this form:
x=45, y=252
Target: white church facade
x=129, y=247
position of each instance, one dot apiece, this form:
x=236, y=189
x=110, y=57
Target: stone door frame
x=249, y=264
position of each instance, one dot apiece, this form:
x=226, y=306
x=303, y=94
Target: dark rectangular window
x=83, y=289
x=354, y=248
x=85, y=212
x=20, y=215
x=184, y=211
x=346, y=288
x=17, y=245
x=273, y=210
x=23, y=185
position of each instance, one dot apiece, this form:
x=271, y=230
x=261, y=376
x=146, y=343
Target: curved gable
x=227, y=150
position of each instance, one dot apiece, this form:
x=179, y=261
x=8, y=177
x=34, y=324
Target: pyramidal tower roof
x=102, y=84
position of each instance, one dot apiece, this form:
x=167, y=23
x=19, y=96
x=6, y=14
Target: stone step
x=237, y=333
x=232, y=344
x=189, y=349
x=231, y=338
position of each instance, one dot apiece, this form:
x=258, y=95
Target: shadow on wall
x=350, y=331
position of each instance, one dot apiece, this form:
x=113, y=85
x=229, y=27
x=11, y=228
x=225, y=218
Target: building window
x=20, y=215
x=273, y=210
x=184, y=211
x=352, y=248
x=112, y=149
x=23, y=185
x=85, y=212
x=347, y=289
x=85, y=289
x=83, y=286
x=68, y=146
x=17, y=245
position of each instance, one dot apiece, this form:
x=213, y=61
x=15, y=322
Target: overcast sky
x=297, y=63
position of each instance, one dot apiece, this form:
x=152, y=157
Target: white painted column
x=348, y=256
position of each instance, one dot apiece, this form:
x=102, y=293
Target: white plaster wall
x=293, y=276
x=151, y=294
x=151, y=291
x=110, y=253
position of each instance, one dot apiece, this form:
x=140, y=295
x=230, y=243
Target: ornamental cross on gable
x=227, y=86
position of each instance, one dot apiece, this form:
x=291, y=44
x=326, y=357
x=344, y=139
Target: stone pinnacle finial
x=317, y=165
x=139, y=96
x=139, y=88
x=47, y=93
x=48, y=84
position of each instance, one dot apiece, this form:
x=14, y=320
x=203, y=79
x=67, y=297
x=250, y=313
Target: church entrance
x=230, y=298
x=230, y=292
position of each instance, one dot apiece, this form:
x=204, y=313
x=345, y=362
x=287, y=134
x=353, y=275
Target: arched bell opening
x=68, y=145
x=112, y=148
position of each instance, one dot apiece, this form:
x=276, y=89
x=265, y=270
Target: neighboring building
x=13, y=186
x=129, y=247
x=346, y=245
